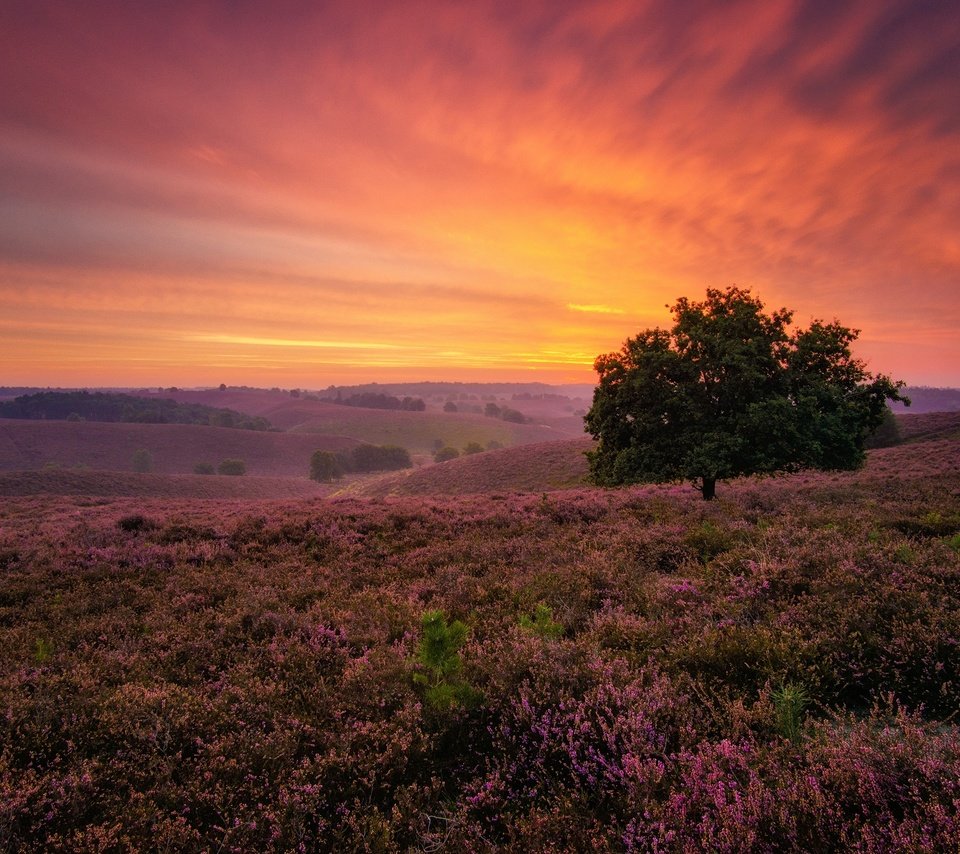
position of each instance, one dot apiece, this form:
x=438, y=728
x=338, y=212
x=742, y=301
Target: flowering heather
x=238, y=675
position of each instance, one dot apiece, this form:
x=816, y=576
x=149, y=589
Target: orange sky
x=300, y=194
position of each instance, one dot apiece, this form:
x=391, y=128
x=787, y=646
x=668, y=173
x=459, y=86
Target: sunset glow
x=300, y=194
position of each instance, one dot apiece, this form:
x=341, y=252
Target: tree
x=472, y=448
x=445, y=453
x=324, y=467
x=729, y=391
x=491, y=410
x=449, y=406
x=232, y=467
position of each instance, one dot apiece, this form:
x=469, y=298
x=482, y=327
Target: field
x=641, y=670
x=174, y=448
x=540, y=467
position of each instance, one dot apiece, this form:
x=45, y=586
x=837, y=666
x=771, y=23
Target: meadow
x=579, y=670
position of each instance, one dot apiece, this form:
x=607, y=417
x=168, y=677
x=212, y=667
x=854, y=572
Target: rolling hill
x=175, y=448
x=540, y=467
x=115, y=484
x=415, y=431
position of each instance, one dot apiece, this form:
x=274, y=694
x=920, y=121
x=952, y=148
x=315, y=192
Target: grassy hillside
x=931, y=425
x=175, y=448
x=540, y=467
x=416, y=431
x=170, y=486
x=778, y=670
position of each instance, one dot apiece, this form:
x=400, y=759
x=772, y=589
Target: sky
x=300, y=194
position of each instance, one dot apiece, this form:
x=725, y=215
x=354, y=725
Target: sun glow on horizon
x=333, y=194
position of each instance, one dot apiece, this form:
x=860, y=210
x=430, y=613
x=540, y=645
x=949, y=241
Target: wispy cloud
x=595, y=309
x=471, y=178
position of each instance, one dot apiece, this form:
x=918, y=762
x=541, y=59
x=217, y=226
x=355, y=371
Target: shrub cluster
x=377, y=400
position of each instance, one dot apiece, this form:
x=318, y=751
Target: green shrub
x=542, y=623
x=789, y=702
x=708, y=541
x=472, y=448
x=204, y=468
x=42, y=650
x=232, y=467
x=445, y=454
x=440, y=664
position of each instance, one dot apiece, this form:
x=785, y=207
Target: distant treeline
x=106, y=406
x=376, y=400
x=446, y=389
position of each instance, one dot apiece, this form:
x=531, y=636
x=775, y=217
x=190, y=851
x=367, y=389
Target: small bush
x=445, y=454
x=42, y=650
x=449, y=406
x=512, y=415
x=232, y=467
x=789, y=702
x=142, y=461
x=204, y=468
x=135, y=523
x=542, y=623
x=472, y=448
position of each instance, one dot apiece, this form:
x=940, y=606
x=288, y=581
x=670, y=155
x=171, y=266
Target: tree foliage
x=445, y=453
x=232, y=467
x=113, y=407
x=730, y=390
x=367, y=458
x=325, y=467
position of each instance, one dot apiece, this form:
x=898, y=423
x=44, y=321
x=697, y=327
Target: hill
x=415, y=431
x=592, y=670
x=175, y=448
x=930, y=425
x=549, y=466
x=539, y=467
x=924, y=399
x=102, y=484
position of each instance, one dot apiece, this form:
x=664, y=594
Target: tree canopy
x=730, y=390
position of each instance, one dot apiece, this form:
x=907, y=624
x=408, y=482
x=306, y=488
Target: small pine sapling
x=439, y=659
x=789, y=702
x=542, y=623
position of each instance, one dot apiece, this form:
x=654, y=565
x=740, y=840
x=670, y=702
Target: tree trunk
x=709, y=488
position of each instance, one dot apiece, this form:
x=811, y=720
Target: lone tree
x=325, y=466
x=729, y=391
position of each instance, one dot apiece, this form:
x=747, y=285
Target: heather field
x=539, y=467
x=173, y=448
x=586, y=670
